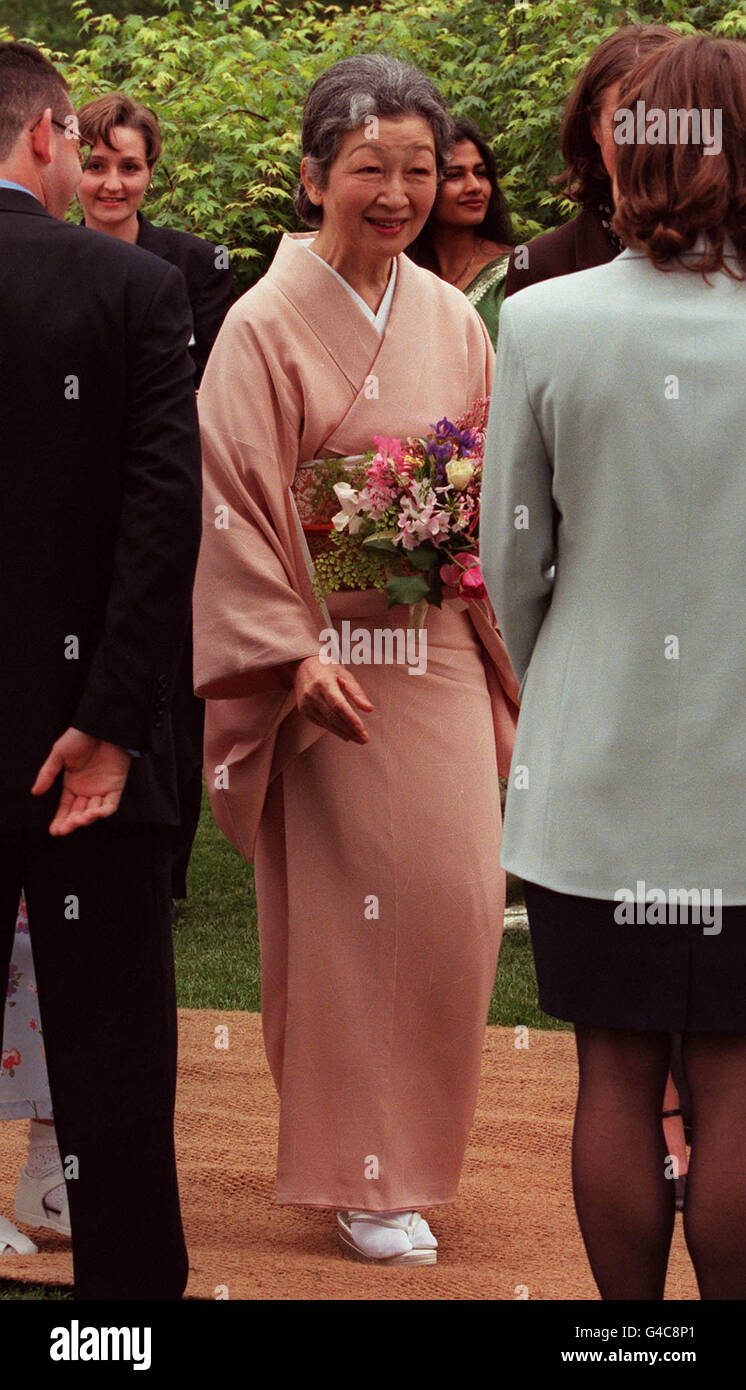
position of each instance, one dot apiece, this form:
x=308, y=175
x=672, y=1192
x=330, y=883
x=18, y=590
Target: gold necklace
x=463, y=271
x=455, y=279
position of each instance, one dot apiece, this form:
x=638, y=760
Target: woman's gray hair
x=340, y=100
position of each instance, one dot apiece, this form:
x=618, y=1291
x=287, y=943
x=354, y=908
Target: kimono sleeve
x=251, y=621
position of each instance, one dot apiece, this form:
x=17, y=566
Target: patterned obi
x=315, y=500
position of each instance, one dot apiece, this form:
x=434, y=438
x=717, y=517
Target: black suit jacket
x=211, y=290
x=578, y=245
x=99, y=504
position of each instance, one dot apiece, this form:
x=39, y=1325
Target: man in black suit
x=99, y=530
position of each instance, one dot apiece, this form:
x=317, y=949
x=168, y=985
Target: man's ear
x=41, y=137
x=313, y=191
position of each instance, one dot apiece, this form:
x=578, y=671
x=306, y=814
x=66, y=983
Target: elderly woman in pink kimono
x=370, y=808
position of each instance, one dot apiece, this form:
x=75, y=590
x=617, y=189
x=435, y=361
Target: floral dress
x=24, y=1087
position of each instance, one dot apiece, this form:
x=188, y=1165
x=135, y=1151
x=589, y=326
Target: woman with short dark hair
x=125, y=145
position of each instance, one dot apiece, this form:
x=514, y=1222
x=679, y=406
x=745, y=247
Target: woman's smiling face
x=465, y=191
x=381, y=185
x=115, y=178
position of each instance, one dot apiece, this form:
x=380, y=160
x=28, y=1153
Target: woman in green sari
x=468, y=236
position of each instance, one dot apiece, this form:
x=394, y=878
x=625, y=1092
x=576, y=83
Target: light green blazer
x=616, y=452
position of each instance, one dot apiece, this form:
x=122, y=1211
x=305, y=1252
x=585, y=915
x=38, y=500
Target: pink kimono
x=379, y=889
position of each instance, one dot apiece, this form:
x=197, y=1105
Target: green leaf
x=379, y=543
x=423, y=557
x=406, y=588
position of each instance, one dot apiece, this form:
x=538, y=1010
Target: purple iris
x=448, y=442
x=441, y=454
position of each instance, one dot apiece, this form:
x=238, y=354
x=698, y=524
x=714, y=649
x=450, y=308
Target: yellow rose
x=459, y=473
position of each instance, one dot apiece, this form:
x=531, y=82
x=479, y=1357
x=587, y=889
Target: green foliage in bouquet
x=345, y=564
x=228, y=79
x=349, y=564
x=416, y=572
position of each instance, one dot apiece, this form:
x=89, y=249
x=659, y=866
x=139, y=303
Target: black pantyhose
x=624, y=1195
x=624, y=1200
x=715, y=1202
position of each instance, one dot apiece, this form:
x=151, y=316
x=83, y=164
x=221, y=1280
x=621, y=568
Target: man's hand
x=94, y=776
x=325, y=693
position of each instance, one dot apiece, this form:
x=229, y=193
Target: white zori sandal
x=41, y=1195
x=386, y=1238
x=42, y=1201
x=12, y=1242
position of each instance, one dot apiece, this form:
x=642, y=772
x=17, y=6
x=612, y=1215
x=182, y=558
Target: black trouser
x=100, y=926
x=188, y=725
x=182, y=836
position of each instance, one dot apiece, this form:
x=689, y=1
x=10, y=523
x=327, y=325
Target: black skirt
x=673, y=977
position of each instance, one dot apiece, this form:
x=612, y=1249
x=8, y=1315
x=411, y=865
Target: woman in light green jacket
x=613, y=547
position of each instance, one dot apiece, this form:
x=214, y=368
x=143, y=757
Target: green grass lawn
x=217, y=960
x=216, y=944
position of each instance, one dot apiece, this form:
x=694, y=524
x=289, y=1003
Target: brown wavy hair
x=97, y=119
x=670, y=194
x=585, y=178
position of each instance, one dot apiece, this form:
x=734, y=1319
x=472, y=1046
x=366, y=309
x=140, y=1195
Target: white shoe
x=42, y=1201
x=378, y=1237
x=422, y=1236
x=12, y=1242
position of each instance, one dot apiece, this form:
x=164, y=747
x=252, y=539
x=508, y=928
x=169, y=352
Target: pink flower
x=11, y=1058
x=376, y=498
x=33, y=1023
x=465, y=576
x=472, y=583
x=451, y=574
x=378, y=471
x=390, y=448
x=419, y=518
x=476, y=416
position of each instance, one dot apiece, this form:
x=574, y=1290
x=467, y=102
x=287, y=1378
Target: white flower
x=348, y=516
x=459, y=473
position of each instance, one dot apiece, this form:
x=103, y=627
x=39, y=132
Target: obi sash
x=313, y=494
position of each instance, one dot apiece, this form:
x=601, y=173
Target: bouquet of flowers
x=409, y=516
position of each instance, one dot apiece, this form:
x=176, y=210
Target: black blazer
x=578, y=245
x=211, y=290
x=99, y=504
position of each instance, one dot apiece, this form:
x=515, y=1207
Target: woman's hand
x=326, y=693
